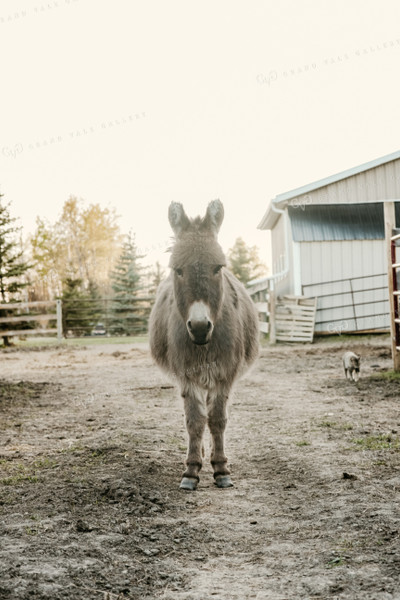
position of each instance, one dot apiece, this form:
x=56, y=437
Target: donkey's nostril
x=209, y=325
x=189, y=324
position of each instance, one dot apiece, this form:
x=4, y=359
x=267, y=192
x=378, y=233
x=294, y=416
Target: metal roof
x=305, y=189
x=335, y=222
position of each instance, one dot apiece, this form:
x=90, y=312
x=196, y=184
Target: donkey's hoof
x=223, y=481
x=188, y=483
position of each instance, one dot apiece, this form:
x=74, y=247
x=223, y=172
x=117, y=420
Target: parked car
x=99, y=329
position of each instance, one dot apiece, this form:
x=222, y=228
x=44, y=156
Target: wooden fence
x=295, y=318
x=259, y=291
x=39, y=317
x=285, y=318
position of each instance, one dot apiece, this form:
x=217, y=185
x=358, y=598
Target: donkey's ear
x=214, y=215
x=178, y=218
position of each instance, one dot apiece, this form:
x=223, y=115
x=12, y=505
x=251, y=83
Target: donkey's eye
x=179, y=272
x=217, y=269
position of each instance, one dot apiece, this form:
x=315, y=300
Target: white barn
x=328, y=241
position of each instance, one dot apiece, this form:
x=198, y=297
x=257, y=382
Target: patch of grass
x=345, y=545
x=19, y=478
x=17, y=473
x=329, y=424
x=336, y=425
x=386, y=376
x=32, y=342
x=302, y=443
x=347, y=427
x=378, y=442
x=336, y=561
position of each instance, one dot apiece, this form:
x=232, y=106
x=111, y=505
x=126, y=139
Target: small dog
x=351, y=364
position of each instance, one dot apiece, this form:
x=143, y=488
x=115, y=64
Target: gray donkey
x=204, y=331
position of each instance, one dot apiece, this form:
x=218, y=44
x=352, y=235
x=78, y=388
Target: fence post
x=272, y=321
x=59, y=320
x=390, y=224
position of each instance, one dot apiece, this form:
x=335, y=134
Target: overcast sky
x=134, y=104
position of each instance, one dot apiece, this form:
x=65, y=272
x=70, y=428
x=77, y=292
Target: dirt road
x=92, y=452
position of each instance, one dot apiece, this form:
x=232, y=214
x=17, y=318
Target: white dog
x=351, y=364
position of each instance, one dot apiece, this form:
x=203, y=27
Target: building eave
x=270, y=217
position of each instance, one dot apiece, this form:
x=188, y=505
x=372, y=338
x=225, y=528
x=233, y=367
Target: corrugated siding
x=380, y=183
x=348, y=265
x=324, y=222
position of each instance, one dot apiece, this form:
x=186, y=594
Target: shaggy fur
x=205, y=357
x=351, y=365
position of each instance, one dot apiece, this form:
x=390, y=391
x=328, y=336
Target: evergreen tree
x=80, y=308
x=244, y=262
x=129, y=311
x=156, y=277
x=12, y=265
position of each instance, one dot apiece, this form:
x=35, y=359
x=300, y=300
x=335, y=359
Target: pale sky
x=134, y=104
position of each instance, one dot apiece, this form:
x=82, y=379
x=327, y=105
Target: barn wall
x=324, y=262
x=379, y=183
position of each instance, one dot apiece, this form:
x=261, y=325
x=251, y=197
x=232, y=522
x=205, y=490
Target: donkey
x=203, y=330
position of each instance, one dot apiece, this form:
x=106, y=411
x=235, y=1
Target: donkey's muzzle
x=199, y=324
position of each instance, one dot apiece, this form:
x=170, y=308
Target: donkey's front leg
x=195, y=413
x=217, y=420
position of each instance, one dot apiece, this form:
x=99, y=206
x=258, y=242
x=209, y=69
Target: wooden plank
x=272, y=316
x=297, y=321
x=298, y=299
x=26, y=332
x=291, y=335
x=293, y=325
x=294, y=330
x=264, y=326
x=284, y=310
x=302, y=318
x=258, y=287
x=29, y=304
x=294, y=339
x=262, y=307
x=28, y=318
x=294, y=307
x=291, y=332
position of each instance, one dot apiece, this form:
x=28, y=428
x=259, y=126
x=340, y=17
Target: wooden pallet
x=295, y=318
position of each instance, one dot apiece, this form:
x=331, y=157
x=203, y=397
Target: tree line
x=85, y=260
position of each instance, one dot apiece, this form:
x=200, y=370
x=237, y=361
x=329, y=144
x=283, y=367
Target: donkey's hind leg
x=195, y=413
x=217, y=420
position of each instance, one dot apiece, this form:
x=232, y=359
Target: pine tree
x=81, y=309
x=129, y=312
x=12, y=265
x=156, y=276
x=244, y=261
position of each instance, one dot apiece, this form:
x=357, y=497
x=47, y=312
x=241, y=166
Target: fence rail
x=26, y=318
x=106, y=316
x=349, y=301
x=259, y=292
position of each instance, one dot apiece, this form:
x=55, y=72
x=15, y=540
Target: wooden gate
x=295, y=318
